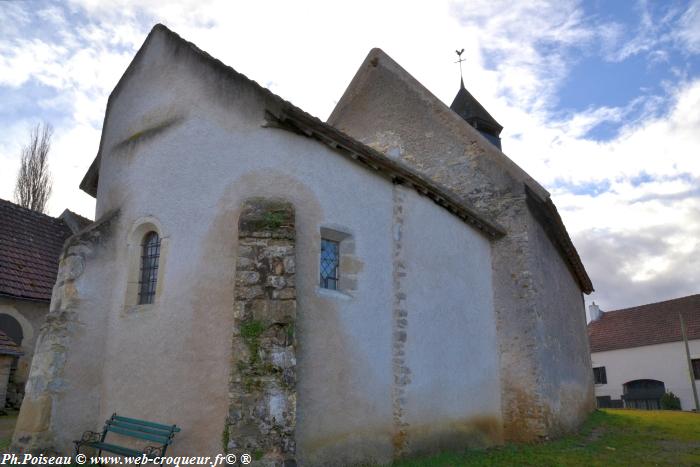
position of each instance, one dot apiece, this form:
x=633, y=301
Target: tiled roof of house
x=655, y=323
x=83, y=220
x=30, y=244
x=8, y=346
x=75, y=221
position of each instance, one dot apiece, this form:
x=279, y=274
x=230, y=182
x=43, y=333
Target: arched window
x=150, y=253
x=643, y=394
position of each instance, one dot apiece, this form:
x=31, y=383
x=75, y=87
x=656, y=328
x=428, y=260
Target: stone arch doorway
x=13, y=390
x=643, y=394
x=12, y=328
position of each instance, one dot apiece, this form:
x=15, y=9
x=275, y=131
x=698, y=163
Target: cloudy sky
x=600, y=100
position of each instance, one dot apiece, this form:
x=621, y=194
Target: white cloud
x=688, y=32
x=530, y=41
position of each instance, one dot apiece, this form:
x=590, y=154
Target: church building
x=383, y=284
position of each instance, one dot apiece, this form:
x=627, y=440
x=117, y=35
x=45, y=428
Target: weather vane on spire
x=460, y=60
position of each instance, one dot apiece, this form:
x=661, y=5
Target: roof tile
x=30, y=244
x=655, y=323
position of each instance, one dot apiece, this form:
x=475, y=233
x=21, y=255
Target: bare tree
x=34, y=180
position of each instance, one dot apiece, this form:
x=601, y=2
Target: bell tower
x=467, y=107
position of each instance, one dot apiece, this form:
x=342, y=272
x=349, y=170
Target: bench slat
x=136, y=421
x=145, y=429
x=139, y=434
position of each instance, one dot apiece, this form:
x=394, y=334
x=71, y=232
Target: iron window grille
x=599, y=376
x=330, y=262
x=150, y=253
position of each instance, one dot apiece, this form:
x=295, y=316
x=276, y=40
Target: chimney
x=594, y=312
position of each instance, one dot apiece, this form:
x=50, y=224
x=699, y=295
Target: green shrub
x=670, y=401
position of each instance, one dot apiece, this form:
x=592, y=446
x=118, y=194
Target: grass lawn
x=609, y=438
x=7, y=426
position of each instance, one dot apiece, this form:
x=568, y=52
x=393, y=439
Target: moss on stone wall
x=262, y=412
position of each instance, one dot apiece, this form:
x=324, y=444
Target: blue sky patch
x=590, y=189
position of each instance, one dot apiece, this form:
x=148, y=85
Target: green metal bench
x=144, y=430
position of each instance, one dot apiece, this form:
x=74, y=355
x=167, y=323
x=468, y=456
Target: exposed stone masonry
x=401, y=372
x=34, y=429
x=262, y=411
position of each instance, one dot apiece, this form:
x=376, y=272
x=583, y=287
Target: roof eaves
x=313, y=127
x=545, y=212
x=24, y=298
x=295, y=119
x=91, y=178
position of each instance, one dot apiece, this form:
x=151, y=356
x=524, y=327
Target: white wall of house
x=662, y=362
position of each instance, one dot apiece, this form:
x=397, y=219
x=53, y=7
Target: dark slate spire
x=467, y=107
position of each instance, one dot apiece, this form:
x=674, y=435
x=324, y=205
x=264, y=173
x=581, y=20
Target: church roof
x=467, y=107
x=654, y=323
x=286, y=115
x=30, y=244
x=381, y=88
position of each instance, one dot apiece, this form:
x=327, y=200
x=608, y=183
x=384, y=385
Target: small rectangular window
x=599, y=376
x=330, y=264
x=696, y=367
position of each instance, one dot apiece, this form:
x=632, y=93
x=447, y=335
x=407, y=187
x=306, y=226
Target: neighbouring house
x=384, y=284
x=30, y=244
x=638, y=353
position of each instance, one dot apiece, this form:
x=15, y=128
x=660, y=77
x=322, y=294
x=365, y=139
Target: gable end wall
x=387, y=109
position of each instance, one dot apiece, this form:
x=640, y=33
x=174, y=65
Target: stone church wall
x=536, y=314
x=63, y=389
x=262, y=406
x=183, y=148
x=451, y=396
x=566, y=371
